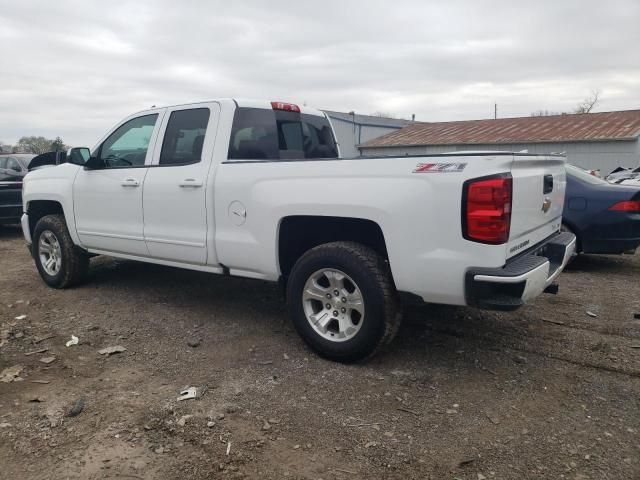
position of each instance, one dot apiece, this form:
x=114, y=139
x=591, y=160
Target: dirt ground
x=546, y=392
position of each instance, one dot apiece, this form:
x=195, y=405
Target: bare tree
x=34, y=144
x=586, y=105
x=544, y=113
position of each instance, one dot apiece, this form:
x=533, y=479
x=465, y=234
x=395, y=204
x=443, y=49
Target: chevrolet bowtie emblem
x=546, y=205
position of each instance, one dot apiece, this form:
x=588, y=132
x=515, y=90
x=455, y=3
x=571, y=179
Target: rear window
x=262, y=134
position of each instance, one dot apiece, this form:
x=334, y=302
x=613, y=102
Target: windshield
x=584, y=176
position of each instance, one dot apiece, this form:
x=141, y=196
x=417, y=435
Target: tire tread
x=77, y=261
x=377, y=266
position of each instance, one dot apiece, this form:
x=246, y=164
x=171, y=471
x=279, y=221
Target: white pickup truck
x=257, y=189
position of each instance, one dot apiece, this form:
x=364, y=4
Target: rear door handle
x=190, y=182
x=548, y=184
x=130, y=182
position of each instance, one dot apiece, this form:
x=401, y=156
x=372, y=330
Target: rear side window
x=184, y=137
x=262, y=134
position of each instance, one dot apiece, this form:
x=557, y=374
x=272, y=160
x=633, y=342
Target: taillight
x=486, y=205
x=626, y=206
x=287, y=107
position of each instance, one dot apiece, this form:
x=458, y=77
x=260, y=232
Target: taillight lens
x=487, y=209
x=287, y=107
x=627, y=206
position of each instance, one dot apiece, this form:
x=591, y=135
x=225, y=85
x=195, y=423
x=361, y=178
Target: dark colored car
x=604, y=217
x=13, y=168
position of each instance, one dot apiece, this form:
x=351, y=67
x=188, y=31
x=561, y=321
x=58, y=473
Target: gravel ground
x=549, y=391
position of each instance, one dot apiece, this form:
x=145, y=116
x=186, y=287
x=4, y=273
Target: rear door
x=176, y=223
x=539, y=184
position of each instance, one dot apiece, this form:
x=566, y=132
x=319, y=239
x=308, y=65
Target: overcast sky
x=74, y=68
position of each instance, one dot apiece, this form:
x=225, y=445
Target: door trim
x=168, y=263
x=176, y=242
x=110, y=235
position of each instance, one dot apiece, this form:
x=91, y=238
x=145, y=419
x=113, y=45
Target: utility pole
x=495, y=111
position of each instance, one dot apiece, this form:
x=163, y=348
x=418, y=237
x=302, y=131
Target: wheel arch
x=298, y=234
x=36, y=209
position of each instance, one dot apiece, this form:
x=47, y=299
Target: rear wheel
x=60, y=262
x=342, y=301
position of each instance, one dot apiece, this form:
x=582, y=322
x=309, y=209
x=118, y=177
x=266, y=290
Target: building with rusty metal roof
x=602, y=140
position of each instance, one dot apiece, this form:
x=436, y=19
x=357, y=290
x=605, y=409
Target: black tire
x=373, y=278
x=74, y=264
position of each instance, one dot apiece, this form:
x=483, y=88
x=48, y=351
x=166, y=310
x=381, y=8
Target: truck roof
x=266, y=104
x=244, y=103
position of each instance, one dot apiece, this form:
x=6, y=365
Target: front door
x=175, y=189
x=108, y=197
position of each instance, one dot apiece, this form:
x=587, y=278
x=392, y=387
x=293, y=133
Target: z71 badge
x=439, y=167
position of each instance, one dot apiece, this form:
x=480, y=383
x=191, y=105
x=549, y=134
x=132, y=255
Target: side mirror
x=78, y=155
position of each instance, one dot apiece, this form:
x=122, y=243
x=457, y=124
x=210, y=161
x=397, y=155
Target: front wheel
x=60, y=262
x=342, y=301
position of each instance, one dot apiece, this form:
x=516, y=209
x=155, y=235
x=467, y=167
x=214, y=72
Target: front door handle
x=190, y=182
x=130, y=182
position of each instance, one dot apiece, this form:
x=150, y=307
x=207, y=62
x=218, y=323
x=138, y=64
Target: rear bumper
x=611, y=246
x=522, y=278
x=620, y=233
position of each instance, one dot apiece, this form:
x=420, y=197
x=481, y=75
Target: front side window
x=128, y=145
x=262, y=134
x=184, y=137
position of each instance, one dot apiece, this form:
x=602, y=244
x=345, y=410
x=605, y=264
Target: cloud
x=75, y=68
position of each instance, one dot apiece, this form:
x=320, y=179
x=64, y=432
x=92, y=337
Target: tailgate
x=539, y=184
